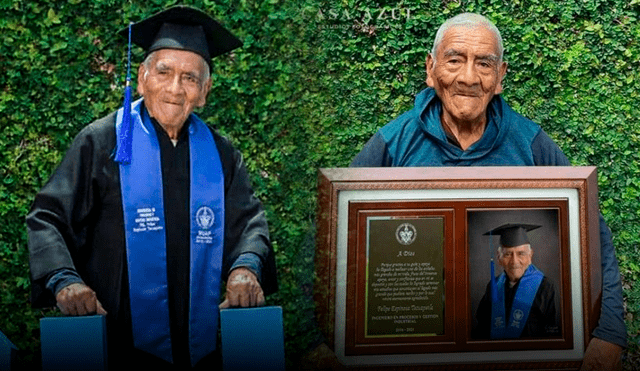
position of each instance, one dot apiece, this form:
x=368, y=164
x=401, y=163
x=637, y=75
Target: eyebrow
x=162, y=66
x=455, y=53
x=452, y=53
x=489, y=57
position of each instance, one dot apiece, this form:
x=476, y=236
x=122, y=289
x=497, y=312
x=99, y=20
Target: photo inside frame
x=537, y=235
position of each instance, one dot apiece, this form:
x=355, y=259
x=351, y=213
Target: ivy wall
x=314, y=80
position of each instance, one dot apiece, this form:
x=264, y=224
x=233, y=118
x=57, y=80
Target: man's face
x=173, y=85
x=466, y=73
x=515, y=260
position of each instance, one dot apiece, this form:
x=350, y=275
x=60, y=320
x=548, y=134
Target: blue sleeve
x=373, y=154
x=546, y=152
x=60, y=279
x=611, y=326
x=250, y=261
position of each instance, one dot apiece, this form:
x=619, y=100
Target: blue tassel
x=494, y=287
x=123, y=152
x=123, y=146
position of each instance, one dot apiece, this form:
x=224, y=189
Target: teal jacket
x=417, y=138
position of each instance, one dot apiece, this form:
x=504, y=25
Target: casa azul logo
x=358, y=18
x=366, y=15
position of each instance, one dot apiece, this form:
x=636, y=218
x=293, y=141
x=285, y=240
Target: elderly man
x=521, y=301
x=461, y=120
x=146, y=240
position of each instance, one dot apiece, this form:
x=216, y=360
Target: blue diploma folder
x=74, y=343
x=7, y=352
x=252, y=339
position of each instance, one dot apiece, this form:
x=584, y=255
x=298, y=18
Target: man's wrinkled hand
x=243, y=290
x=602, y=356
x=78, y=299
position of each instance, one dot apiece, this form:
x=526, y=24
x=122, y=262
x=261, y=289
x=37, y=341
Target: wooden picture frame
x=360, y=209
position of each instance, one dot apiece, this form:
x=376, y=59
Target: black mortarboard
x=512, y=234
x=184, y=28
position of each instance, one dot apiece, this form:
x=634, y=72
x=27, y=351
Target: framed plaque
x=405, y=259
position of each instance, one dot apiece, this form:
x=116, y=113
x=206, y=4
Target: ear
x=502, y=71
x=429, y=64
x=205, y=93
x=141, y=72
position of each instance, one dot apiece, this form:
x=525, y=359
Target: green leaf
x=58, y=46
x=52, y=17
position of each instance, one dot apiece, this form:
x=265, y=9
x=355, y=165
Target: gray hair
x=147, y=66
x=467, y=19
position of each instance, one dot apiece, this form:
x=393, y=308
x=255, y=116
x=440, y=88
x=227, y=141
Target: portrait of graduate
x=460, y=119
x=521, y=301
x=151, y=210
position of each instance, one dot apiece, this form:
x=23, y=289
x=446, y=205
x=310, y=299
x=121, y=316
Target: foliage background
x=314, y=80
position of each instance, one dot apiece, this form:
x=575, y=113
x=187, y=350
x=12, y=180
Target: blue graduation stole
x=142, y=198
x=512, y=327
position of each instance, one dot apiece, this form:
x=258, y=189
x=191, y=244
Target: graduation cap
x=179, y=27
x=512, y=234
x=184, y=28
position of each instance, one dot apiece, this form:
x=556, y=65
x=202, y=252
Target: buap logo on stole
x=205, y=217
x=517, y=316
x=406, y=233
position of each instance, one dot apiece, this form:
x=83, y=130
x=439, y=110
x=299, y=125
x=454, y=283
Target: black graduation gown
x=76, y=222
x=542, y=316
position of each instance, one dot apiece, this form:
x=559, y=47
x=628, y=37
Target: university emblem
x=518, y=314
x=406, y=233
x=205, y=217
